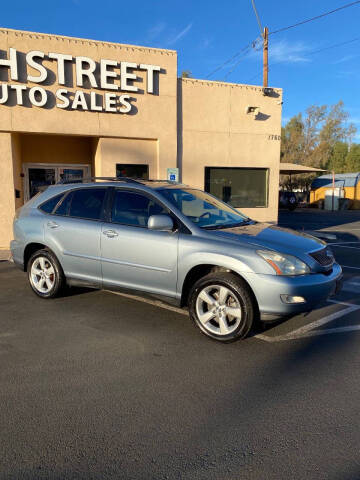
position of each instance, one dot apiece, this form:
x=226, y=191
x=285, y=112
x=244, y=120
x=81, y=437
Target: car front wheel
x=45, y=274
x=222, y=307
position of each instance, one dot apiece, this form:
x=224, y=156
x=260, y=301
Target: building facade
x=73, y=108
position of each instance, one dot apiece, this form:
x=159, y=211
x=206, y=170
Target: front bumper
x=315, y=288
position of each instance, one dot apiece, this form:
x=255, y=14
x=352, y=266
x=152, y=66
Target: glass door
x=37, y=177
x=74, y=175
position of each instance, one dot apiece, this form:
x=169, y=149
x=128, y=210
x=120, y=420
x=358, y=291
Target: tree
x=337, y=162
x=320, y=139
x=186, y=74
x=353, y=159
x=292, y=140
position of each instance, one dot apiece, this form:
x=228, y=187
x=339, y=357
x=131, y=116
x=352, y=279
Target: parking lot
x=104, y=386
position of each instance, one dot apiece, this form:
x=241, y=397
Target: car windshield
x=203, y=209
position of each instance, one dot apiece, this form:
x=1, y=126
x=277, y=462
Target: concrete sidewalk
x=4, y=255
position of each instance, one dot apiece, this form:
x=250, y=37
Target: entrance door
x=38, y=176
x=39, y=179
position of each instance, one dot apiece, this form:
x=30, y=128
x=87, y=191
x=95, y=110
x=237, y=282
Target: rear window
x=49, y=206
x=87, y=203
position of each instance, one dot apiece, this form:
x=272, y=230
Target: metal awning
x=294, y=169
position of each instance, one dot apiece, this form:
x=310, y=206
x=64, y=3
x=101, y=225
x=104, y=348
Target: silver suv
x=175, y=242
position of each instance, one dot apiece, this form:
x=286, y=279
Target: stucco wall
x=215, y=130
x=7, y=197
x=111, y=151
x=153, y=115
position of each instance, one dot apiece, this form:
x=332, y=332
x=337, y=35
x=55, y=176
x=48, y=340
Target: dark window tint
x=87, y=203
x=49, y=206
x=240, y=187
x=131, y=208
x=133, y=171
x=39, y=179
x=63, y=208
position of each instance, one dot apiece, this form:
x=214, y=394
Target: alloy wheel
x=42, y=275
x=218, y=310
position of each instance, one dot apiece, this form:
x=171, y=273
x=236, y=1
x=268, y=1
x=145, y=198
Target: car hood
x=271, y=237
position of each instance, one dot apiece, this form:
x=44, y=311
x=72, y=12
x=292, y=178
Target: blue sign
x=173, y=174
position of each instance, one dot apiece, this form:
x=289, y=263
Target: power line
x=313, y=53
x=244, y=51
x=237, y=63
x=257, y=17
x=240, y=52
x=254, y=45
x=315, y=18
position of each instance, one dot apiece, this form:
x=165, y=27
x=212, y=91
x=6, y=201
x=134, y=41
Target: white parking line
x=302, y=332
x=306, y=330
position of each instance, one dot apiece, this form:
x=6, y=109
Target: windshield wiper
x=248, y=221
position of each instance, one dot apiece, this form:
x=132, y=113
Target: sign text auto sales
x=105, y=75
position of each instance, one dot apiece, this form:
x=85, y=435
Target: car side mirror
x=162, y=223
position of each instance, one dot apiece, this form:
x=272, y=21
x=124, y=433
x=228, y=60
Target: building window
x=240, y=187
x=132, y=171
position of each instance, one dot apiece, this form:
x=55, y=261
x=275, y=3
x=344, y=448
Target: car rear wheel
x=45, y=274
x=222, y=307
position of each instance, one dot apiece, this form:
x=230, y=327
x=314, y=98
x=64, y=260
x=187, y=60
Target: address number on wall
x=274, y=137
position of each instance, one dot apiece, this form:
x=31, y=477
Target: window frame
x=207, y=182
x=71, y=192
x=63, y=194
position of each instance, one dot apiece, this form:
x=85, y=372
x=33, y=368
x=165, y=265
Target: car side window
x=49, y=206
x=63, y=208
x=131, y=208
x=87, y=203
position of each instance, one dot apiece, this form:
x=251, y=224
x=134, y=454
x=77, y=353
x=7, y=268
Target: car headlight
x=284, y=264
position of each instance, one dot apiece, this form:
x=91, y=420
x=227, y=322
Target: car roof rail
x=113, y=179
x=94, y=179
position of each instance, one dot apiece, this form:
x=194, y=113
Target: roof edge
x=226, y=84
x=88, y=41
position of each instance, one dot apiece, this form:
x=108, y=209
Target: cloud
x=347, y=74
x=284, y=52
x=344, y=59
x=180, y=35
x=156, y=30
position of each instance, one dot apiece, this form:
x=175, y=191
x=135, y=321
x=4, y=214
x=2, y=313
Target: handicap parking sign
x=173, y=174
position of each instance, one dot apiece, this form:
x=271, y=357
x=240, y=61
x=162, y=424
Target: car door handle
x=52, y=224
x=110, y=233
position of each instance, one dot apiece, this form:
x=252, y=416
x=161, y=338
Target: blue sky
x=207, y=33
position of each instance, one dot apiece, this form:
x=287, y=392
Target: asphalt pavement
x=96, y=385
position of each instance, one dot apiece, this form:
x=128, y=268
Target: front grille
x=324, y=257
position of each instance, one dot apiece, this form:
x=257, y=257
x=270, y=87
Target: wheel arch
x=199, y=271
x=33, y=247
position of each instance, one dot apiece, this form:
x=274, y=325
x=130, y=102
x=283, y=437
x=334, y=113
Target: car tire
x=45, y=274
x=222, y=306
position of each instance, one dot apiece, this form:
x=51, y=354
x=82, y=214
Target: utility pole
x=265, y=57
